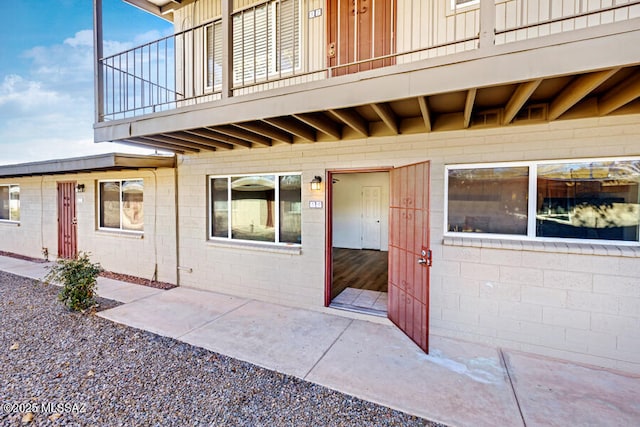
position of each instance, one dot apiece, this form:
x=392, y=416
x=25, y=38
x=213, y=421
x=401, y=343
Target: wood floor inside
x=359, y=269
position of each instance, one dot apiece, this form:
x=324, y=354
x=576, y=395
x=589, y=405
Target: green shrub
x=78, y=278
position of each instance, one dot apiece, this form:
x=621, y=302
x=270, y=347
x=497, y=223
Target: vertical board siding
x=555, y=16
x=432, y=26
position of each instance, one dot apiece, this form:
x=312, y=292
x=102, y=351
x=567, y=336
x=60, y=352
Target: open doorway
x=359, y=246
x=404, y=233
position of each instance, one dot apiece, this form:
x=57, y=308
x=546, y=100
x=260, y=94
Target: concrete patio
x=458, y=383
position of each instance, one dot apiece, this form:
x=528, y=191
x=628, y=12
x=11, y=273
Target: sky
x=46, y=74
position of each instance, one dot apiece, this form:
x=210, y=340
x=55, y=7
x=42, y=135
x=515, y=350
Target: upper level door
x=359, y=30
x=67, y=220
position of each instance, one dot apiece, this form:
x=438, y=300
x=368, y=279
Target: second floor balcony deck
x=278, y=47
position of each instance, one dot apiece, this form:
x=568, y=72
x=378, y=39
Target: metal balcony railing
x=278, y=43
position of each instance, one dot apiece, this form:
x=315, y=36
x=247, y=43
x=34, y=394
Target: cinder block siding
x=132, y=254
x=580, y=303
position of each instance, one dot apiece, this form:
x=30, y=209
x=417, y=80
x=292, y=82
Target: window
x=579, y=199
x=213, y=43
x=121, y=205
x=10, y=203
x=457, y=4
x=266, y=41
x=262, y=208
x=489, y=200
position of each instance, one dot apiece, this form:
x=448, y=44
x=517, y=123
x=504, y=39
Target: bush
x=78, y=279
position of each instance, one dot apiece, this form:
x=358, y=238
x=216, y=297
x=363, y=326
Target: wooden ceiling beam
x=387, y=115
x=294, y=127
x=619, y=96
x=351, y=118
x=267, y=130
x=217, y=136
x=576, y=90
x=321, y=123
x=424, y=111
x=244, y=134
x=468, y=106
x=520, y=96
x=186, y=136
x=177, y=142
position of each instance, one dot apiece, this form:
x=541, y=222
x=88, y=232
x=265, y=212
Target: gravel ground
x=75, y=369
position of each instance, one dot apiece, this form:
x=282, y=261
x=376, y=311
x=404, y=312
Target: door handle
x=426, y=258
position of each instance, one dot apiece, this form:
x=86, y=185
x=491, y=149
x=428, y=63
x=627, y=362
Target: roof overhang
x=98, y=163
x=162, y=8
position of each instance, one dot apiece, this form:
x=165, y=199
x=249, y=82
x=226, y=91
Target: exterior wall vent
x=532, y=112
x=491, y=117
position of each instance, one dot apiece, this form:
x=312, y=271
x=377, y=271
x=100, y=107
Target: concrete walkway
x=458, y=383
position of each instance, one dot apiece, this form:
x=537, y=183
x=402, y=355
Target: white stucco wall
x=129, y=253
x=571, y=301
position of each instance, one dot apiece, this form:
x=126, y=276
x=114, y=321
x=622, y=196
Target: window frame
x=11, y=220
x=99, y=200
x=531, y=204
x=229, y=239
x=453, y=7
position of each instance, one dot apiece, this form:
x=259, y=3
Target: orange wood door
x=359, y=30
x=67, y=221
x=408, y=305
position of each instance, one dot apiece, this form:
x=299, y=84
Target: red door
x=409, y=254
x=67, y=237
x=359, y=30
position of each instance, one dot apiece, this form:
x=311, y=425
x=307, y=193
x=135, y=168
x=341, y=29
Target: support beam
x=576, y=90
x=520, y=96
x=186, y=136
x=98, y=72
x=264, y=129
x=321, y=123
x=156, y=145
x=227, y=49
x=351, y=118
x=424, y=110
x=619, y=96
x=244, y=134
x=177, y=142
x=294, y=127
x=217, y=136
x=387, y=115
x=468, y=106
x=487, y=24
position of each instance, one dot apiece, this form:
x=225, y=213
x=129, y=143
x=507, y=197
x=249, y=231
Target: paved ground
x=64, y=368
x=458, y=383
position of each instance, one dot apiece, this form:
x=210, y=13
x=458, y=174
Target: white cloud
x=81, y=38
x=49, y=112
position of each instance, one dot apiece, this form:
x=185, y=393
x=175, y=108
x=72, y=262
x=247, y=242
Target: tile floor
x=362, y=299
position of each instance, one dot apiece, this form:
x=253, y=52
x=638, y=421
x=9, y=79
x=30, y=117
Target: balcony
x=270, y=73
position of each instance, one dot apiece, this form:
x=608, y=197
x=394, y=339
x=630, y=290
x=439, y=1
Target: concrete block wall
x=577, y=302
x=129, y=253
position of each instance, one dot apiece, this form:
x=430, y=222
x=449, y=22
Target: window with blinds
x=266, y=41
x=213, y=45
